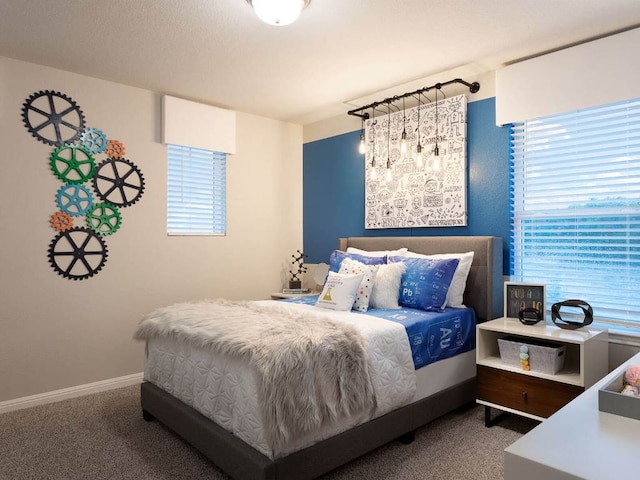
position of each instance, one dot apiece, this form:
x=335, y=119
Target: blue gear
x=75, y=200
x=94, y=140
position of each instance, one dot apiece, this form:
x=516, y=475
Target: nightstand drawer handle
x=524, y=396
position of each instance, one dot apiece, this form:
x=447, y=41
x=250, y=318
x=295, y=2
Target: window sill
x=622, y=337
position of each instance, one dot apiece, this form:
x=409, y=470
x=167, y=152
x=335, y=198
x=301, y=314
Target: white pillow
x=459, y=281
x=339, y=291
x=386, y=288
x=368, y=272
x=401, y=252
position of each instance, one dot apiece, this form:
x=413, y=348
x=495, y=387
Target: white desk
x=578, y=442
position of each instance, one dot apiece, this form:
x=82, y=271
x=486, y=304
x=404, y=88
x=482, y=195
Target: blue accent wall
x=333, y=188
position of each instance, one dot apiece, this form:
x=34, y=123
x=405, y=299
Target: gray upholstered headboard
x=484, y=285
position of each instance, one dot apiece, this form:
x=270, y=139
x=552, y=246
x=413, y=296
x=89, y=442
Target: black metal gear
x=53, y=117
x=118, y=181
x=78, y=253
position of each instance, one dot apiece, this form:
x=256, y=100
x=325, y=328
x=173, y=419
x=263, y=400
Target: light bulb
x=436, y=164
x=361, y=147
x=279, y=13
x=403, y=145
x=419, y=156
x=388, y=177
x=372, y=174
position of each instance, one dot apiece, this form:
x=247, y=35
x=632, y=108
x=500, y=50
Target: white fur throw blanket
x=311, y=369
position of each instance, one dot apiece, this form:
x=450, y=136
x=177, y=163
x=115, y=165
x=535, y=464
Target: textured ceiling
x=218, y=52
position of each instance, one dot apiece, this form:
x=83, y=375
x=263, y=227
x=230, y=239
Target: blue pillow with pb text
x=425, y=282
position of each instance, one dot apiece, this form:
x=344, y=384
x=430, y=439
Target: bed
x=454, y=385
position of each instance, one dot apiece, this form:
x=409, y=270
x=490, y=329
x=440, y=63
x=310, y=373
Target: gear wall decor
x=72, y=163
x=74, y=200
x=104, y=218
x=118, y=181
x=94, y=140
x=78, y=253
x=61, y=221
x=53, y=118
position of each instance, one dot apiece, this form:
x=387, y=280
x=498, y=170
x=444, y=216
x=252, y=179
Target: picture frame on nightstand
x=521, y=295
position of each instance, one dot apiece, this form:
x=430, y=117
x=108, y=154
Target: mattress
x=225, y=389
x=432, y=336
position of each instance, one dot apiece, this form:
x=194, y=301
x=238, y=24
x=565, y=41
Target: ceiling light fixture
x=278, y=12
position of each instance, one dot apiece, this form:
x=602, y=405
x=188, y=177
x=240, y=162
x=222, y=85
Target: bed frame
x=243, y=462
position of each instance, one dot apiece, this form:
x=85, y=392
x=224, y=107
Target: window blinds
x=575, y=199
x=196, y=191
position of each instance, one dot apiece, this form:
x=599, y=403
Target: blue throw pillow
x=335, y=260
x=425, y=282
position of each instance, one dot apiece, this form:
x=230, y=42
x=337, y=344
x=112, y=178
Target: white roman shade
x=595, y=73
x=197, y=125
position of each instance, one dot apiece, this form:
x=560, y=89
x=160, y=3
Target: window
x=575, y=205
x=196, y=191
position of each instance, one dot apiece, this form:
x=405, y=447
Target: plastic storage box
x=544, y=357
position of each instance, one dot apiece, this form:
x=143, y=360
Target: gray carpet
x=103, y=436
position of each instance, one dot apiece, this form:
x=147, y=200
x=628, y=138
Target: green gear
x=104, y=218
x=72, y=163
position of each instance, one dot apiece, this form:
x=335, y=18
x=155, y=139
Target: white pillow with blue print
x=425, y=282
x=339, y=291
x=368, y=272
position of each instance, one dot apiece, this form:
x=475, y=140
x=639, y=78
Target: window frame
x=525, y=164
x=196, y=192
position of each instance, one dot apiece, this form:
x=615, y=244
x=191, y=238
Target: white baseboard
x=72, y=392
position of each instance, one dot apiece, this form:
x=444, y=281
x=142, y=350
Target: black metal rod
x=473, y=88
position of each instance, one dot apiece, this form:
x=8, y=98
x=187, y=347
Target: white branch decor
x=434, y=195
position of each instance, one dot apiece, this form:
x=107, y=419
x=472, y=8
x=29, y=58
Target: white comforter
x=224, y=389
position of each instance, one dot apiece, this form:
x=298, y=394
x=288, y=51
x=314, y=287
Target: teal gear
x=75, y=200
x=94, y=140
x=104, y=218
x=72, y=163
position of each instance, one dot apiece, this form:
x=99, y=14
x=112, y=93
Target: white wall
x=57, y=333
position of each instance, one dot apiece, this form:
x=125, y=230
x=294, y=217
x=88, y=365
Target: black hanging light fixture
x=436, y=150
x=373, y=175
x=362, y=147
x=419, y=146
x=389, y=175
x=403, y=137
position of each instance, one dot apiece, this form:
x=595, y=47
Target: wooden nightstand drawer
x=525, y=393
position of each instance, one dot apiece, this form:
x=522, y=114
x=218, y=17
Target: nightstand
x=280, y=295
x=529, y=393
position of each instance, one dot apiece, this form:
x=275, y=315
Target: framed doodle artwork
x=402, y=193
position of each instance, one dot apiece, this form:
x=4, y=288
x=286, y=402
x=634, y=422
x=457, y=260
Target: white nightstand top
x=277, y=295
x=546, y=330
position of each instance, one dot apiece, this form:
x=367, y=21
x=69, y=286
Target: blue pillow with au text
x=425, y=282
